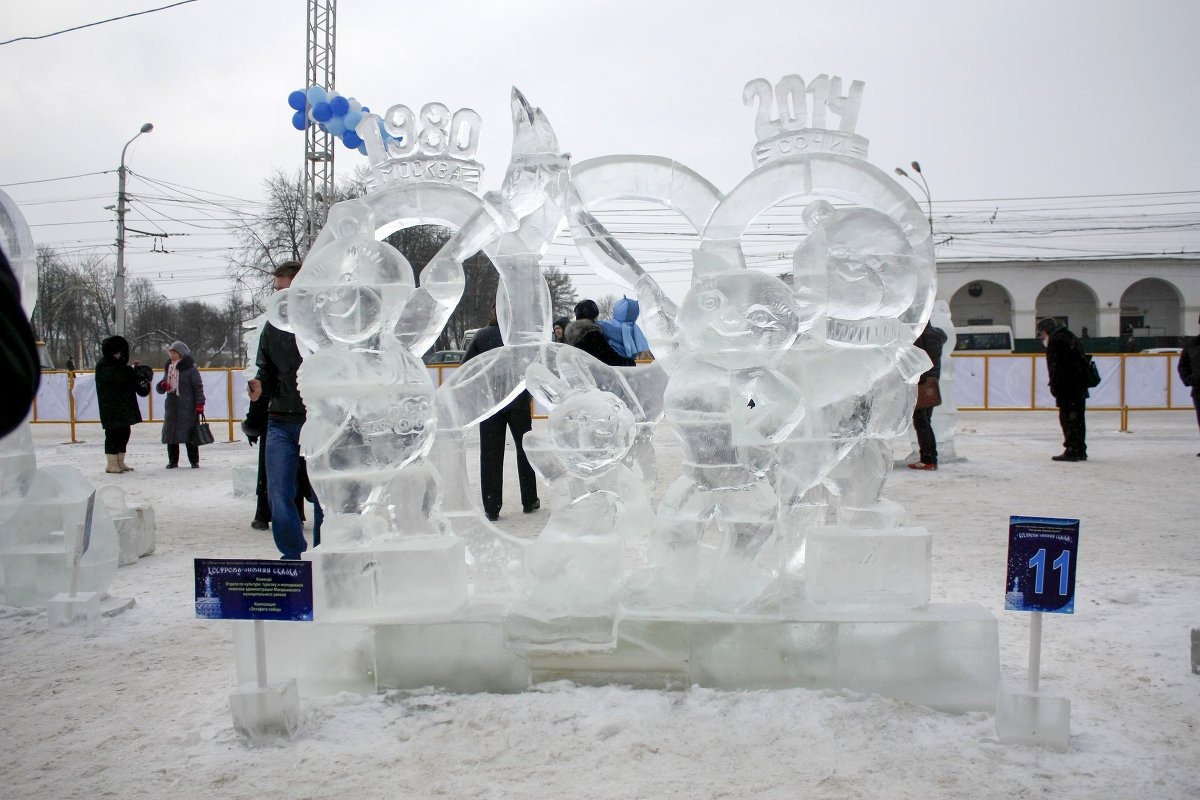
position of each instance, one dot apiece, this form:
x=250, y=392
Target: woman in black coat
x=184, y=405
x=117, y=384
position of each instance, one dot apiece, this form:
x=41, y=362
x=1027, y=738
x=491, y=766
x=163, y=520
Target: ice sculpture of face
x=351, y=289
x=592, y=430
x=741, y=318
x=347, y=292
x=865, y=257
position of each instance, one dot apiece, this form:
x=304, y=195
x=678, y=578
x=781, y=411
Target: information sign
x=254, y=589
x=1041, y=564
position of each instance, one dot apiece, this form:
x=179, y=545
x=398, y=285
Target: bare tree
x=277, y=234
x=606, y=305
x=74, y=311
x=562, y=292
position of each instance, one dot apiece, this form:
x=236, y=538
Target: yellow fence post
x=71, y=402
x=229, y=387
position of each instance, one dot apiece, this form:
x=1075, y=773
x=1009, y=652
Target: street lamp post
x=923, y=186
x=119, y=281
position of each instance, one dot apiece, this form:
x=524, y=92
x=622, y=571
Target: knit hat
x=181, y=348
x=1046, y=325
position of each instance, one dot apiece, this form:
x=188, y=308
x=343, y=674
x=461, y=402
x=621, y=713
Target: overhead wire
x=984, y=229
x=93, y=24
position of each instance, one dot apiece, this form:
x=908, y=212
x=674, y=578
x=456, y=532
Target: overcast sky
x=999, y=100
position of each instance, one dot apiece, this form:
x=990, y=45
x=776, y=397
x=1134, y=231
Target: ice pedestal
x=77, y=614
x=945, y=656
x=854, y=568
x=417, y=577
x=322, y=659
x=135, y=525
x=245, y=480
x=462, y=656
x=34, y=563
x=1033, y=717
x=263, y=713
x=576, y=582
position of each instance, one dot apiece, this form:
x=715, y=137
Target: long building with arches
x=1158, y=297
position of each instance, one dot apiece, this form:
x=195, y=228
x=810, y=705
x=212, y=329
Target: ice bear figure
x=600, y=512
x=859, y=375
x=730, y=407
x=369, y=399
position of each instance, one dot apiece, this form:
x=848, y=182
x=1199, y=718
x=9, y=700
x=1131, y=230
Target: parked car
x=442, y=357
x=984, y=339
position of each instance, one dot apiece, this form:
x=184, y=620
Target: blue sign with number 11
x=1041, y=564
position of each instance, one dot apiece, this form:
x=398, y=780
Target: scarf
x=172, y=378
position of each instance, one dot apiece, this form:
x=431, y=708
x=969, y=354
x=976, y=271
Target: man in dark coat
x=586, y=334
x=931, y=341
x=1067, y=367
x=183, y=406
x=117, y=385
x=517, y=417
x=278, y=364
x=1189, y=369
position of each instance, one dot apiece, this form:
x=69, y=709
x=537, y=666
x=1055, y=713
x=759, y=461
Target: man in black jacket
x=1067, y=367
x=278, y=362
x=517, y=417
x=1189, y=369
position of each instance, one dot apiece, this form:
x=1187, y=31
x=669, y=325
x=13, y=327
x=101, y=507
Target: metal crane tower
x=318, y=144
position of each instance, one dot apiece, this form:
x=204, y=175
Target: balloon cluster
x=334, y=114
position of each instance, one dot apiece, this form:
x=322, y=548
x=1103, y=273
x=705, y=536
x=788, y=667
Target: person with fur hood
x=184, y=405
x=586, y=334
x=117, y=385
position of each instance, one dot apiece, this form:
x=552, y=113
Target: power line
x=93, y=24
x=64, y=178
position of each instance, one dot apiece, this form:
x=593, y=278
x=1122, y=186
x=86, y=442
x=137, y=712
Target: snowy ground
x=141, y=710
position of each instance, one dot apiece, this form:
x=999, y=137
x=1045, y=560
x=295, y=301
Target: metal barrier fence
x=1018, y=382
x=1006, y=382
x=69, y=398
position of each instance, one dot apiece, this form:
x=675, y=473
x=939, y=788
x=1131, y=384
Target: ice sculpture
x=773, y=559
x=372, y=417
x=601, y=520
x=42, y=510
x=729, y=406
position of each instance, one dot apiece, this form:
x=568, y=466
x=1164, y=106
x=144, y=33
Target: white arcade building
x=1101, y=297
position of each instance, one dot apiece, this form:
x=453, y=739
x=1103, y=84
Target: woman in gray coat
x=184, y=405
